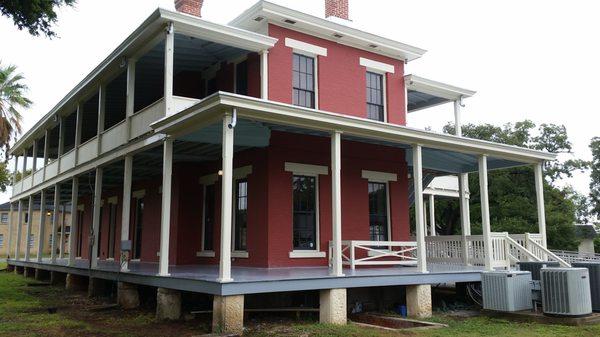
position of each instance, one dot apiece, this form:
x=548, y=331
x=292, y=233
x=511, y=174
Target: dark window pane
x=241, y=215
x=305, y=213
x=303, y=79
x=378, y=219
x=374, y=96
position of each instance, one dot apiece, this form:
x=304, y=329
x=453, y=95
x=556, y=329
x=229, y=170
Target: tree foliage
x=512, y=196
x=595, y=177
x=37, y=16
x=12, y=99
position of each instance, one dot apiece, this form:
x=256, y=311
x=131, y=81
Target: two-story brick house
x=257, y=157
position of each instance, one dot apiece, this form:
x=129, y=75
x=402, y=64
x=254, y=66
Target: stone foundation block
x=57, y=278
x=418, y=300
x=97, y=287
x=128, y=296
x=41, y=274
x=168, y=304
x=332, y=309
x=228, y=314
x=76, y=283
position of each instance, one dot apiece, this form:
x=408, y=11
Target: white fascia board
x=184, y=23
x=324, y=28
x=288, y=114
x=305, y=47
x=376, y=66
x=435, y=88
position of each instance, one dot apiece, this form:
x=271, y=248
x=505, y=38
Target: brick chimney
x=337, y=8
x=191, y=7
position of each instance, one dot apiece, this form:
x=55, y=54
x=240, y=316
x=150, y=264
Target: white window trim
x=205, y=253
x=376, y=66
x=305, y=48
x=310, y=171
x=306, y=169
x=238, y=173
x=381, y=177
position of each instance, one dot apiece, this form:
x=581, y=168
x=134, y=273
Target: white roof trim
x=305, y=47
x=326, y=29
x=435, y=88
x=376, y=176
x=377, y=66
x=210, y=109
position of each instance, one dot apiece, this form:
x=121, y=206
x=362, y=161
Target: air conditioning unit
x=506, y=290
x=566, y=291
x=594, y=272
x=535, y=266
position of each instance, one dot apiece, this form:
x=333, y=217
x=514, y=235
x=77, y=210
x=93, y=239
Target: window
x=303, y=81
x=137, y=229
x=112, y=224
x=50, y=240
x=80, y=230
x=208, y=217
x=31, y=240
x=241, y=78
x=241, y=215
x=375, y=109
x=378, y=216
x=1, y=240
x=4, y=218
x=26, y=218
x=305, y=212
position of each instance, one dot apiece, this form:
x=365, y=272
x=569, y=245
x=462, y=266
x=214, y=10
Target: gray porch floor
x=202, y=278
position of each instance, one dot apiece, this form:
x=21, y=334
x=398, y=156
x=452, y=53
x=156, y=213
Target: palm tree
x=12, y=98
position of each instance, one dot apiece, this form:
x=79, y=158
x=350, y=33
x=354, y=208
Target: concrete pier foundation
x=332, y=309
x=168, y=304
x=228, y=314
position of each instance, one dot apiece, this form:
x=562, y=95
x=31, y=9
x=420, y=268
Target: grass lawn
x=23, y=312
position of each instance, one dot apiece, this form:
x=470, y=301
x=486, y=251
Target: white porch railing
x=571, y=257
x=377, y=253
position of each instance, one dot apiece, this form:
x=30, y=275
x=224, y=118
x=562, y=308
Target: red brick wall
x=341, y=78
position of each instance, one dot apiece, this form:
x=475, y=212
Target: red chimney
x=337, y=8
x=191, y=7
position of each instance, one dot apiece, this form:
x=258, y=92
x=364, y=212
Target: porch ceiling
x=424, y=93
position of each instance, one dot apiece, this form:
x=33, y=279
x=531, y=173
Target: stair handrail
x=521, y=248
x=562, y=262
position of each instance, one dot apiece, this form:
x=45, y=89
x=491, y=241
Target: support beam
x=169, y=46
x=457, y=117
x=539, y=192
x=96, y=216
x=16, y=170
x=465, y=214
x=130, y=100
x=101, y=115
x=19, y=230
x=24, y=174
x=46, y=149
x=61, y=248
x=55, y=223
x=336, y=203
x=419, y=214
x=29, y=221
x=34, y=156
x=264, y=74
x=226, y=200
x=332, y=307
x=228, y=314
x=42, y=226
x=485, y=212
x=126, y=210
x=165, y=223
x=61, y=138
x=432, y=215
x=74, y=228
x=418, y=300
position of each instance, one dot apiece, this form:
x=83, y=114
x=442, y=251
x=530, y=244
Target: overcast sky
x=526, y=59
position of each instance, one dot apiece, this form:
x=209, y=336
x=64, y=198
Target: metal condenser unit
x=566, y=291
x=506, y=290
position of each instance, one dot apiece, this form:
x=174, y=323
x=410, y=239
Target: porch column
x=11, y=223
x=78, y=126
x=226, y=200
x=29, y=219
x=465, y=214
x=42, y=226
x=55, y=223
x=101, y=115
x=34, y=157
x=46, y=149
x=432, y=214
x=419, y=214
x=165, y=223
x=130, y=94
x=125, y=216
x=485, y=212
x=425, y=223
x=24, y=165
x=19, y=229
x=336, y=203
x=264, y=74
x=169, y=46
x=539, y=192
x=74, y=230
x=457, y=117
x=16, y=170
x=96, y=215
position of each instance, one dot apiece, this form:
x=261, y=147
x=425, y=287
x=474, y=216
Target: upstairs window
x=4, y=218
x=375, y=107
x=303, y=81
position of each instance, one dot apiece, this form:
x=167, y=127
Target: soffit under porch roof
x=424, y=93
x=448, y=153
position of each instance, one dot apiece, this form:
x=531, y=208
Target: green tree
x=37, y=16
x=512, y=195
x=5, y=177
x=595, y=177
x=12, y=99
